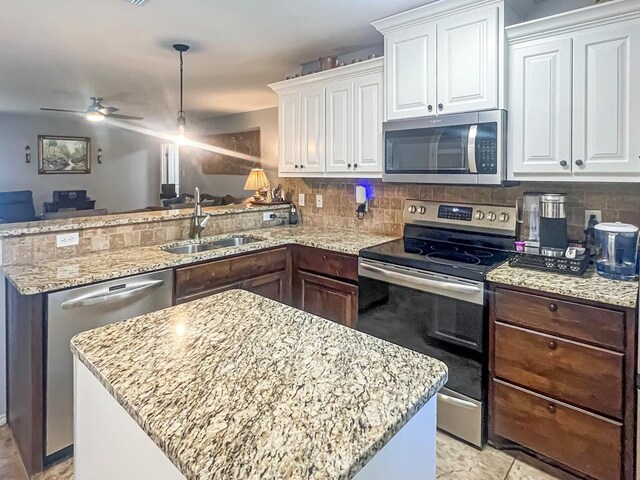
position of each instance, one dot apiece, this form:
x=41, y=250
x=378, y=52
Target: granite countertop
x=590, y=287
x=30, y=279
x=238, y=386
x=79, y=223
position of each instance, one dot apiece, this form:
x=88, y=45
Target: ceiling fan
x=96, y=112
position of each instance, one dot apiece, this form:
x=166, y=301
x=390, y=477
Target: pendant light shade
x=182, y=119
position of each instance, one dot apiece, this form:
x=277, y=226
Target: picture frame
x=63, y=155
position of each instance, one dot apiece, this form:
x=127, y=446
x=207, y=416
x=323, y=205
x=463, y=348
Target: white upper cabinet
x=411, y=72
x=331, y=122
x=444, y=57
x=368, y=108
x=574, y=101
x=468, y=61
x=606, y=99
x=540, y=107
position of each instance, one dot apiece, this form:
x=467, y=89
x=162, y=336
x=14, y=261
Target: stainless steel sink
x=234, y=241
x=190, y=249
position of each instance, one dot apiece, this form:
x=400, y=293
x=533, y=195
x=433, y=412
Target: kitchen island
x=236, y=386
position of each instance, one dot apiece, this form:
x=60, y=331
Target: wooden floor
x=456, y=461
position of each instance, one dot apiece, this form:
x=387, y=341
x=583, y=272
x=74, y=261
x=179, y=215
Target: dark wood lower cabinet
x=275, y=286
x=327, y=298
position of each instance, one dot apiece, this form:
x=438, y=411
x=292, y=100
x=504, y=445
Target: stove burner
x=443, y=248
x=478, y=253
x=447, y=257
x=409, y=249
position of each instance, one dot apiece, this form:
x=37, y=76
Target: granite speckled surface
x=59, y=274
x=61, y=225
x=238, y=386
x=590, y=287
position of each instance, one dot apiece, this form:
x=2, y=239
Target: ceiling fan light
x=94, y=117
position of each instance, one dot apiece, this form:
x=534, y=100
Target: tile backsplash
x=618, y=202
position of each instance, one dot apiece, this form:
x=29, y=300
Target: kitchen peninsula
x=239, y=386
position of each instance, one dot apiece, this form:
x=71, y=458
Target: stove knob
x=479, y=215
x=412, y=209
x=491, y=216
x=422, y=210
x=504, y=217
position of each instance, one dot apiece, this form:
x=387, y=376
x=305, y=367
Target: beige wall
x=191, y=175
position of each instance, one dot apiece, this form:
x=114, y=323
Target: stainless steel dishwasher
x=80, y=309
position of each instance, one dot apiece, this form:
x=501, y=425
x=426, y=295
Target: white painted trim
x=329, y=76
x=428, y=13
x=588, y=17
x=3, y=420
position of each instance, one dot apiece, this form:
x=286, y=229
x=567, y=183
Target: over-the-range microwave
x=463, y=149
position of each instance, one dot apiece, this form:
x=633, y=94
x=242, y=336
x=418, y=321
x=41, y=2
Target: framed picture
x=247, y=142
x=63, y=154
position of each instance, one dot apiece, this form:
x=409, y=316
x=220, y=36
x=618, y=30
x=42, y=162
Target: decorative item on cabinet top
x=330, y=123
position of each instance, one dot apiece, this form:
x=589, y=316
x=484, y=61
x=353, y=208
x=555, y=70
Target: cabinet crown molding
x=328, y=76
x=588, y=17
x=428, y=13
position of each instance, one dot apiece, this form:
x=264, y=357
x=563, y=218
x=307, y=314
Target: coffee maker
x=553, y=224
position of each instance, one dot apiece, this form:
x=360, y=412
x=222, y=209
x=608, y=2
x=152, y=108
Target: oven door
x=442, y=317
x=459, y=149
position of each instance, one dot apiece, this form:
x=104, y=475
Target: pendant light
x=182, y=120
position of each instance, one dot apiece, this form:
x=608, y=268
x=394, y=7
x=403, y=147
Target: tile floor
x=456, y=461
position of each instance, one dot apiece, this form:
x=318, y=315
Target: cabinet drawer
x=206, y=278
x=324, y=262
x=579, y=322
x=578, y=439
x=576, y=373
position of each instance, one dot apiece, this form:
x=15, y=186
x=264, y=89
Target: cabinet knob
x=430, y=107
x=579, y=162
x=551, y=408
x=296, y=166
x=355, y=165
x=301, y=166
x=552, y=345
x=563, y=163
x=348, y=165
x=553, y=307
x=440, y=106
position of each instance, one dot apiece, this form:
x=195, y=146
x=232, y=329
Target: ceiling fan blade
x=124, y=117
x=62, y=110
x=108, y=110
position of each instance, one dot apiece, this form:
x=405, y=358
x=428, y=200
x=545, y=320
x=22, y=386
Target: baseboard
x=3, y=420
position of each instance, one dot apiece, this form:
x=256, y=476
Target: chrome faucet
x=198, y=225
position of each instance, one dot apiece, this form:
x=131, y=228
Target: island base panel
x=108, y=442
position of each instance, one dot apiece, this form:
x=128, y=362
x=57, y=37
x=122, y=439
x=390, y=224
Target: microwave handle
x=471, y=149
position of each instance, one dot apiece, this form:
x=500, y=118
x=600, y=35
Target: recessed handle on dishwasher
x=112, y=297
x=455, y=287
x=457, y=402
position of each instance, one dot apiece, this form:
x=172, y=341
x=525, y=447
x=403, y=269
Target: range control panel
x=463, y=216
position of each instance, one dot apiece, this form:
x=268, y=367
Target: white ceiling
x=58, y=53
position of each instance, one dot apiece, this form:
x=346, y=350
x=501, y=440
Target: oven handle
x=454, y=287
x=471, y=149
x=457, y=402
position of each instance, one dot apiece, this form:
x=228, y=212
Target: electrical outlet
x=67, y=239
x=301, y=199
x=588, y=213
x=319, y=201
x=266, y=216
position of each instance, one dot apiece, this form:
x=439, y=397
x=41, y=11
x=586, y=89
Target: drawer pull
x=552, y=345
x=551, y=408
x=553, y=307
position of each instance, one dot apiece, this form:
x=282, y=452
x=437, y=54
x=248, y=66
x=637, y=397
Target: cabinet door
x=328, y=298
x=313, y=128
x=468, y=52
x=289, y=126
x=410, y=66
x=606, y=100
x=340, y=126
x=274, y=286
x=367, y=137
x=540, y=107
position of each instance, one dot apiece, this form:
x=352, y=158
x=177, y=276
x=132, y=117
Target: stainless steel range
x=427, y=292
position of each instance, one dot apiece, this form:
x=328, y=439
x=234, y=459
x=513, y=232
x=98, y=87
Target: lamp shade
x=256, y=180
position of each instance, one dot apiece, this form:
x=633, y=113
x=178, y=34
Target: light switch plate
x=266, y=216
x=67, y=239
x=587, y=215
x=301, y=199
x=319, y=201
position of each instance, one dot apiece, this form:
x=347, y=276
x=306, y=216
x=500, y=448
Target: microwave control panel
x=487, y=155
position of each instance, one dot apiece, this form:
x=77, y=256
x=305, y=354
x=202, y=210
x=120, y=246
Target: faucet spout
x=199, y=221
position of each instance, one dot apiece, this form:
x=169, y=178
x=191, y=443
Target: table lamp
x=259, y=182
